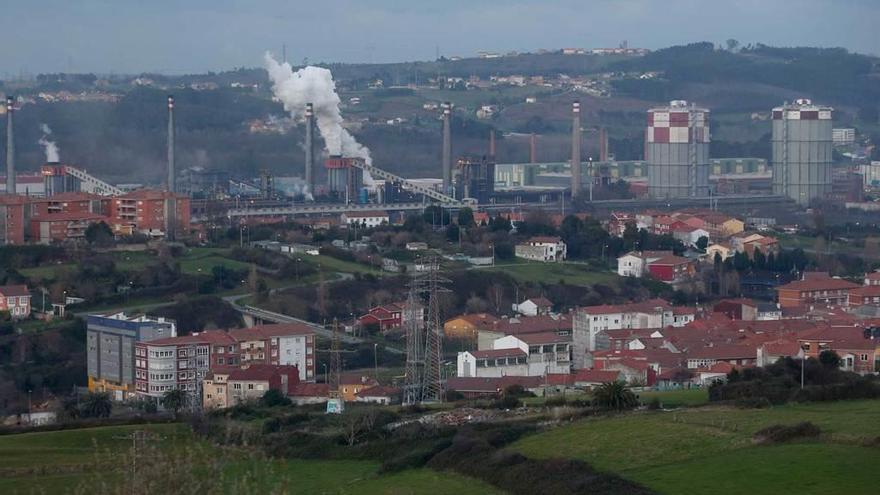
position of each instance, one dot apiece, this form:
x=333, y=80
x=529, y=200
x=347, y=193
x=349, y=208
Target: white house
x=534, y=306
x=635, y=264
x=542, y=248
x=689, y=235
x=365, y=218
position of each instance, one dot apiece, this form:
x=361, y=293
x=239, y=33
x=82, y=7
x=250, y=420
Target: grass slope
x=552, y=273
x=64, y=461
x=710, y=449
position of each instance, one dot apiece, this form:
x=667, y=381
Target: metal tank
x=344, y=179
x=677, y=151
x=801, y=151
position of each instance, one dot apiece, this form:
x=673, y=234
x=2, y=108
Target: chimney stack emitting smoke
x=533, y=148
x=171, y=172
x=575, y=148
x=310, y=150
x=10, y=147
x=447, y=149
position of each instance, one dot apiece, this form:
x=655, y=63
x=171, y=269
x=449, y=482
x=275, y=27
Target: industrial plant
x=802, y=145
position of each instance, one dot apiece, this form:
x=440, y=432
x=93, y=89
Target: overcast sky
x=132, y=36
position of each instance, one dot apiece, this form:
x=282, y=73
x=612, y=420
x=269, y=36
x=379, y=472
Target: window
x=863, y=357
x=250, y=386
x=236, y=386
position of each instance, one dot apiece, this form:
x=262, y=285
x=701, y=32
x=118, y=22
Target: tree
x=99, y=233
x=702, y=243
x=614, y=396
x=96, y=405
x=174, y=400
x=465, y=217
x=829, y=359
x=273, y=398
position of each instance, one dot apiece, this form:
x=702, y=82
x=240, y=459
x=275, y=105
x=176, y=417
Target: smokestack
x=310, y=159
x=171, y=172
x=492, y=143
x=10, y=147
x=575, y=148
x=447, y=149
x=533, y=148
x=603, y=145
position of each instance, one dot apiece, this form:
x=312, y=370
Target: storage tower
x=677, y=151
x=801, y=151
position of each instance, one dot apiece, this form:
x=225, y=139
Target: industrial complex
x=677, y=168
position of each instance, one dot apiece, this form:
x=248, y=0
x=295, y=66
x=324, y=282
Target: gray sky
x=132, y=36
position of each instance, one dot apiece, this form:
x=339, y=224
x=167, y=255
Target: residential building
x=704, y=357
x=687, y=234
x=60, y=227
x=672, y=268
x=366, y=219
x=774, y=350
x=493, y=362
x=544, y=249
x=592, y=323
x=467, y=326
x=534, y=354
x=110, y=343
x=815, y=288
x=843, y=136
x=15, y=217
x=737, y=309
x=253, y=381
x=179, y=363
x=351, y=384
x=635, y=263
x=391, y=316
x=379, y=394
x=555, y=323
x=15, y=300
x=149, y=212
x=291, y=344
x=720, y=249
x=534, y=306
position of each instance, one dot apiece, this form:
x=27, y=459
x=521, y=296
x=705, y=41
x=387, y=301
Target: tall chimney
x=172, y=175
x=492, y=143
x=10, y=147
x=310, y=158
x=533, y=148
x=603, y=145
x=447, y=149
x=575, y=149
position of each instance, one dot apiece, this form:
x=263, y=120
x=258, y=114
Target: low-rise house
x=542, y=248
x=475, y=387
x=350, y=384
x=704, y=357
x=722, y=250
x=534, y=306
x=235, y=385
x=687, y=234
x=379, y=395
x=367, y=219
x=774, y=350
x=635, y=263
x=671, y=269
x=737, y=309
x=468, y=326
x=493, y=362
x=714, y=373
x=416, y=246
x=309, y=393
x=864, y=295
x=16, y=300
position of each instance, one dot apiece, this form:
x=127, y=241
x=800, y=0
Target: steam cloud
x=315, y=85
x=50, y=147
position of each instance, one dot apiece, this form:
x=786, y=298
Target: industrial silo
x=677, y=151
x=802, y=151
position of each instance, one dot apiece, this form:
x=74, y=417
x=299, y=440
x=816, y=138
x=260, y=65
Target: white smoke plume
x=50, y=147
x=315, y=85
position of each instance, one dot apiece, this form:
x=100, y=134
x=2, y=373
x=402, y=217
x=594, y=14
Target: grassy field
x=65, y=461
x=551, y=273
x=331, y=264
x=709, y=450
x=677, y=398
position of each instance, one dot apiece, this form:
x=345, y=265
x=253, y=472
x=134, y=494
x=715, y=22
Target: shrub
x=506, y=402
x=786, y=433
x=614, y=396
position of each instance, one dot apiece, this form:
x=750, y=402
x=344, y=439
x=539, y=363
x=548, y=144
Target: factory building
x=677, y=151
x=344, y=179
x=801, y=151
x=475, y=178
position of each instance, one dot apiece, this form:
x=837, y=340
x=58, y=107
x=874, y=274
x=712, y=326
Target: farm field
x=710, y=449
x=570, y=273
x=65, y=461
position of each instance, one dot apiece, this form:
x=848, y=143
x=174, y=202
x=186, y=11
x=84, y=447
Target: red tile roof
x=545, y=239
x=14, y=290
x=819, y=283
x=498, y=353
x=379, y=391
x=263, y=332
x=596, y=376
x=310, y=390
x=543, y=338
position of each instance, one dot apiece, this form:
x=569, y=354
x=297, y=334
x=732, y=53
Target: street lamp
x=376, y=361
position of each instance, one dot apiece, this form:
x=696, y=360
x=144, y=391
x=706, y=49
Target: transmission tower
x=415, y=329
x=432, y=384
